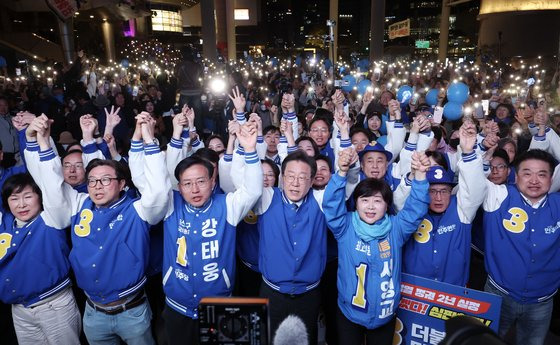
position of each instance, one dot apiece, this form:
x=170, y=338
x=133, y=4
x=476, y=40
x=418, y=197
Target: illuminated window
x=241, y=14
x=167, y=21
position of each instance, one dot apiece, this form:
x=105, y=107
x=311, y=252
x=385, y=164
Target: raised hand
x=338, y=100
x=394, y=109
x=148, y=128
x=41, y=125
x=233, y=128
x=254, y=117
x=274, y=115
x=22, y=120
x=189, y=114
x=113, y=119
x=346, y=158
x=179, y=122
x=467, y=137
x=247, y=136
x=238, y=100
x=88, y=124
x=288, y=102
x=419, y=164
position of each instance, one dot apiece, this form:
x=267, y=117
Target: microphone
x=291, y=331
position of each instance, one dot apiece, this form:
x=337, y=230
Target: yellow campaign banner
x=399, y=29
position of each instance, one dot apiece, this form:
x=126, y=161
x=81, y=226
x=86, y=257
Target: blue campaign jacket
x=522, y=247
x=440, y=248
x=369, y=274
x=111, y=260
x=206, y=267
x=33, y=261
x=293, y=244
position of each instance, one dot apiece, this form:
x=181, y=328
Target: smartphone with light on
x=438, y=114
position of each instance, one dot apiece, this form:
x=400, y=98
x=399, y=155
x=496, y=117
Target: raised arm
x=334, y=198
x=471, y=191
x=416, y=205
x=175, y=152
x=60, y=200
x=148, y=170
x=243, y=199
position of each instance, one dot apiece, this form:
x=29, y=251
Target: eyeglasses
x=499, y=167
x=68, y=166
x=443, y=192
x=199, y=183
x=105, y=181
x=317, y=130
x=301, y=179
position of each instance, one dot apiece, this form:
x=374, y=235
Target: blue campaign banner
x=426, y=304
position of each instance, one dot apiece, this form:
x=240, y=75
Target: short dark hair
x=371, y=186
x=306, y=138
x=535, y=154
x=438, y=134
x=439, y=158
x=270, y=128
x=504, y=141
x=501, y=153
x=325, y=159
x=70, y=153
x=120, y=169
x=321, y=118
x=208, y=155
x=191, y=161
x=15, y=184
x=301, y=157
x=362, y=130
x=274, y=168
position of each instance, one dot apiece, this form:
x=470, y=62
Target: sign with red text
x=399, y=29
x=426, y=304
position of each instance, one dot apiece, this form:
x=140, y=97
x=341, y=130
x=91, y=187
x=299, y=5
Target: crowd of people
x=125, y=200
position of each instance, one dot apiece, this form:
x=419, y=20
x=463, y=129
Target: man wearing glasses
x=199, y=233
x=293, y=244
x=110, y=230
x=440, y=247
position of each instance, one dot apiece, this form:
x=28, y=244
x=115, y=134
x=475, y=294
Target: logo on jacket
x=384, y=249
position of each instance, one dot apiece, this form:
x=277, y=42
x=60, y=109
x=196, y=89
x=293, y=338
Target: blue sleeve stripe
x=540, y=137
x=482, y=147
x=228, y=157
x=240, y=150
x=135, y=143
x=176, y=143
x=469, y=157
x=32, y=146
x=46, y=155
x=260, y=139
x=532, y=125
x=289, y=116
x=251, y=157
x=292, y=149
x=151, y=149
x=195, y=142
x=410, y=147
x=90, y=148
x=344, y=143
x=283, y=140
x=240, y=116
x=407, y=181
x=185, y=133
x=399, y=125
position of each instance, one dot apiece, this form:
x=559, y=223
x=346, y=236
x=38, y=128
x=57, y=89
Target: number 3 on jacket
x=83, y=229
x=516, y=223
x=422, y=235
x=359, y=299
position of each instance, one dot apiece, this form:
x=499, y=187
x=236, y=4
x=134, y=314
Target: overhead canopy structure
x=500, y=6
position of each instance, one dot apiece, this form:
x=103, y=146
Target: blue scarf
x=367, y=232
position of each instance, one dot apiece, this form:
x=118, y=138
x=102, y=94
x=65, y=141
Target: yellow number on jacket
x=516, y=223
x=359, y=299
x=422, y=235
x=82, y=229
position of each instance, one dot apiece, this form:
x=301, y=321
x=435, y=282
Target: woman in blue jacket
x=370, y=244
x=34, y=268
